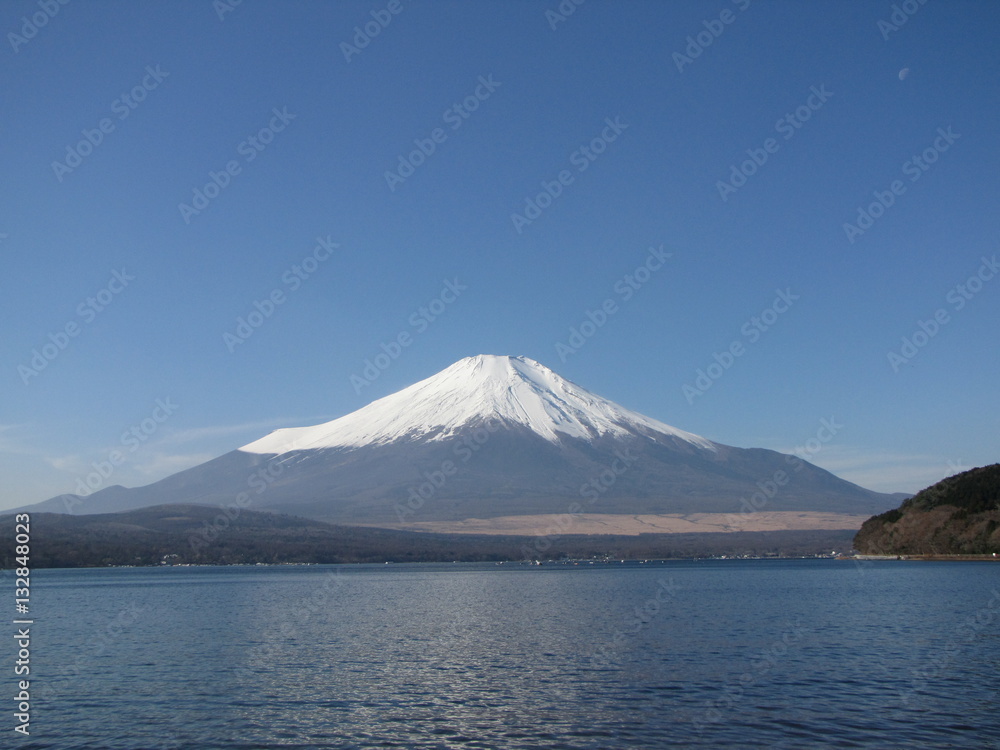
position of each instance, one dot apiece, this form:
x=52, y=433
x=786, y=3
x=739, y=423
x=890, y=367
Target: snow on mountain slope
x=516, y=390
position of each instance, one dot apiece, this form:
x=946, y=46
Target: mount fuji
x=494, y=437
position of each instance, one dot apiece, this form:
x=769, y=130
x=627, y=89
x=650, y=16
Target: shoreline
x=927, y=558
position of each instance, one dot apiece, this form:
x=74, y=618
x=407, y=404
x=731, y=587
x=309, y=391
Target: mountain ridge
x=514, y=390
x=492, y=437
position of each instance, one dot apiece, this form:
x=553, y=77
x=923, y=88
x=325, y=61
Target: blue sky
x=130, y=287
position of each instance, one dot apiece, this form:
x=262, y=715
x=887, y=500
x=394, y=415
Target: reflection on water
x=736, y=653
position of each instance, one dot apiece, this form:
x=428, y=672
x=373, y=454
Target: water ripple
x=767, y=654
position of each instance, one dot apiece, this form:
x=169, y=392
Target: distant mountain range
x=492, y=436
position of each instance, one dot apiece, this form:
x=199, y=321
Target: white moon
x=903, y=73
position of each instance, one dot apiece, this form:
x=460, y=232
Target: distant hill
x=195, y=534
x=959, y=515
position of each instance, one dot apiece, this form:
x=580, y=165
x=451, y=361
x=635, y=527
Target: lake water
x=714, y=654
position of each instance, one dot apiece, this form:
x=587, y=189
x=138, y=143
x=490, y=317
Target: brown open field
x=599, y=523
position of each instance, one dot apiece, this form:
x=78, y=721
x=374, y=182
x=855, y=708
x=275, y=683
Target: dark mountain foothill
x=200, y=535
x=960, y=515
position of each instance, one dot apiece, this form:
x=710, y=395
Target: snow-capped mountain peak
x=515, y=390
